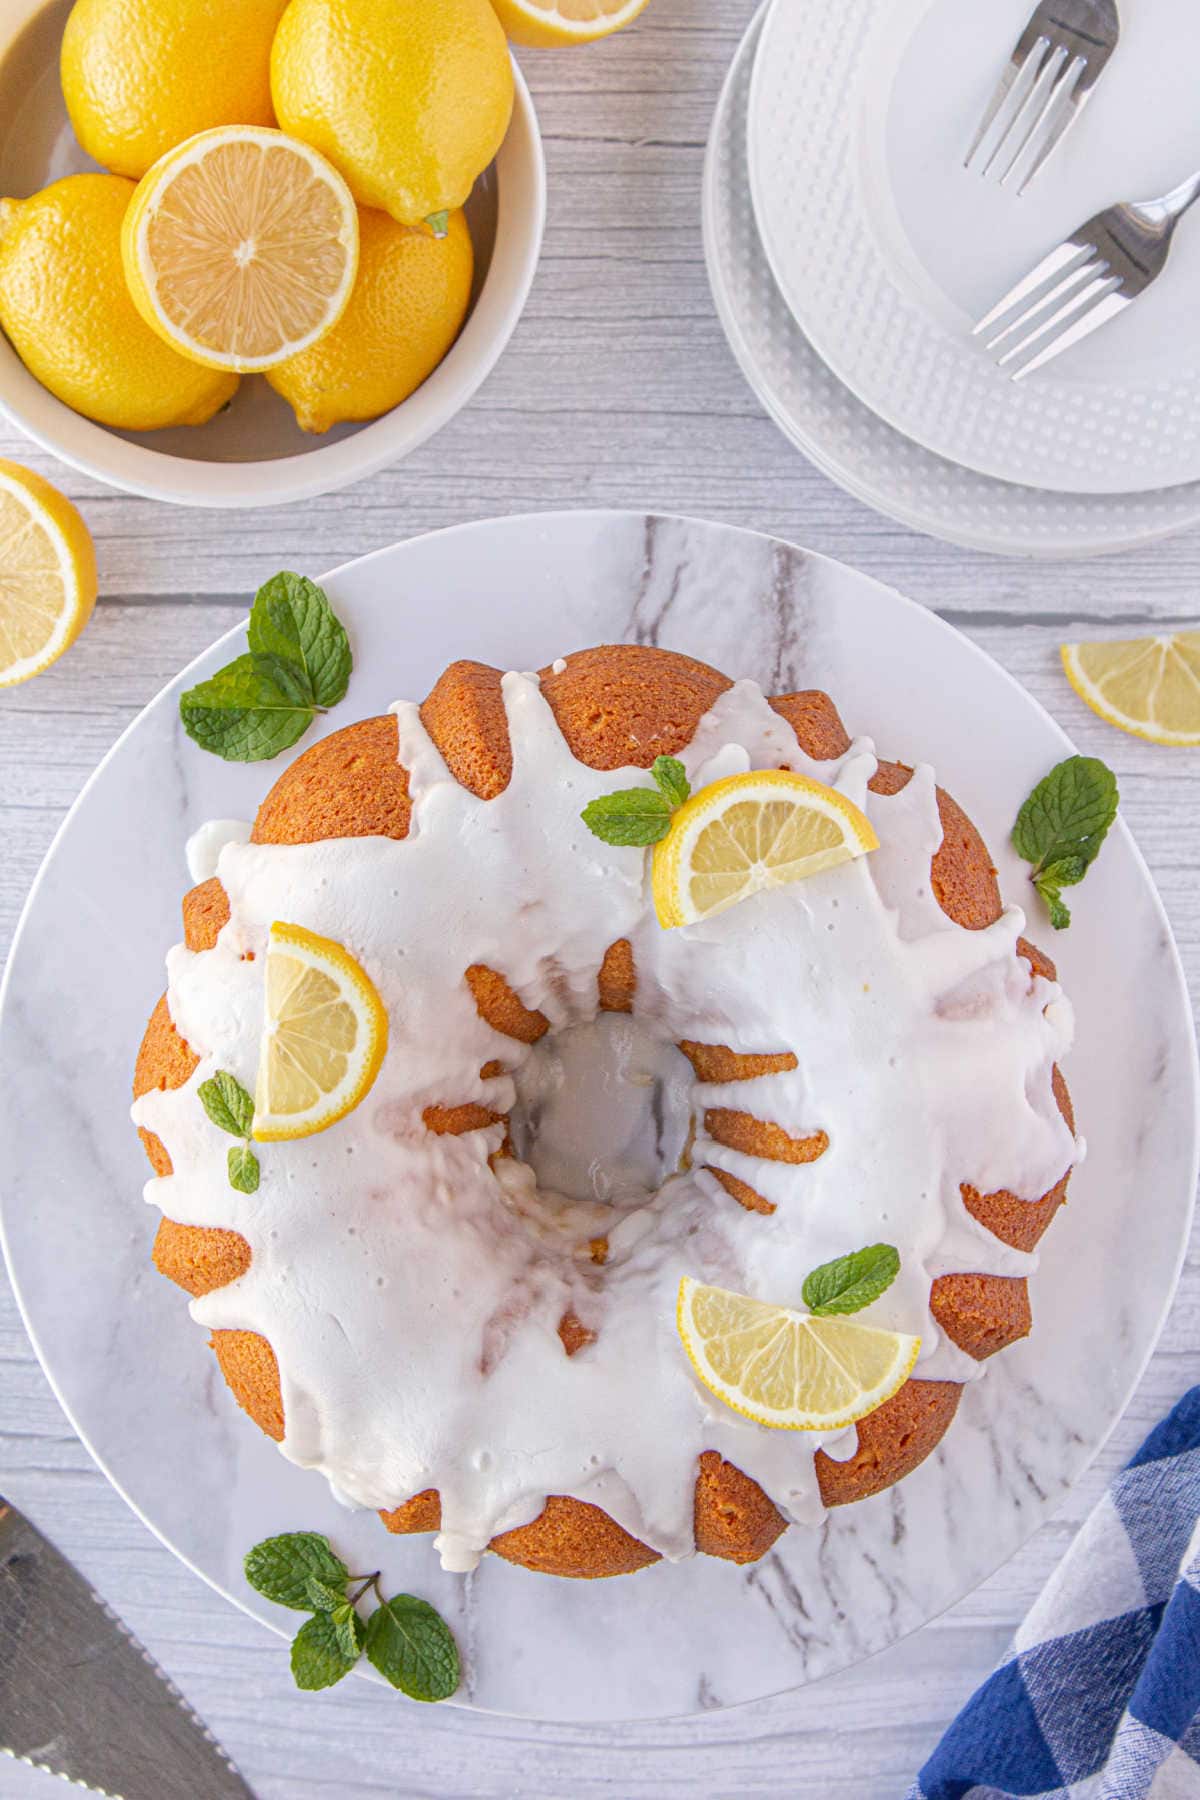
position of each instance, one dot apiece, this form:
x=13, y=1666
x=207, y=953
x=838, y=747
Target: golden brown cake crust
x=615, y=705
x=249, y=1366
x=348, y=785
x=199, y=1258
x=891, y=1442
x=205, y=914
x=982, y=1313
x=733, y=1518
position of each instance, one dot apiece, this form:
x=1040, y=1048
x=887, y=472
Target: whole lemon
x=65, y=306
x=139, y=76
x=406, y=310
x=409, y=99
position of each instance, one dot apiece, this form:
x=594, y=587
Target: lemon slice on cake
x=47, y=574
x=324, y=1035
x=749, y=832
x=241, y=247
x=789, y=1370
x=1149, y=686
x=547, y=24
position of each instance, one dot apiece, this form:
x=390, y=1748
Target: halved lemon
x=749, y=832
x=47, y=574
x=241, y=247
x=1149, y=686
x=546, y=24
x=324, y=1035
x=788, y=1369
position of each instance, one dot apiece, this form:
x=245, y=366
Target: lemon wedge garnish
x=547, y=24
x=786, y=1369
x=240, y=247
x=1149, y=686
x=47, y=574
x=749, y=832
x=324, y=1035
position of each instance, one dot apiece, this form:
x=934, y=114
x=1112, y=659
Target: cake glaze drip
x=412, y=1293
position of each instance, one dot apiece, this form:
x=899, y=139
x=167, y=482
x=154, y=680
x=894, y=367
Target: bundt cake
x=873, y=1054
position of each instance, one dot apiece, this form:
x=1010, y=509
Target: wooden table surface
x=618, y=389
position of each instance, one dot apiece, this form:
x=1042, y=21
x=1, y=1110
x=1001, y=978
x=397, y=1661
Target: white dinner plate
x=886, y=248
x=134, y=1373
x=850, y=443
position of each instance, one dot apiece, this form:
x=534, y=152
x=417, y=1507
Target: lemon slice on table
x=788, y=1369
x=749, y=832
x=324, y=1035
x=1149, y=686
x=241, y=247
x=549, y=23
x=47, y=574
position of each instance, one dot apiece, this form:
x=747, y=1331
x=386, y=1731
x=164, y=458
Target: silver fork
x=1055, y=64
x=1099, y=271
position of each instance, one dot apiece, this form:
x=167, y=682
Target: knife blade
x=81, y=1698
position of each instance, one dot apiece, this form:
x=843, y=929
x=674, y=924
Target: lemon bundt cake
x=873, y=1054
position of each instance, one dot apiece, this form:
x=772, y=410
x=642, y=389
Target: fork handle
x=1172, y=206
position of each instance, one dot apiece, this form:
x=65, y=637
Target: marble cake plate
x=134, y=1374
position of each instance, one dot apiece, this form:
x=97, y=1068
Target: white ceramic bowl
x=255, y=454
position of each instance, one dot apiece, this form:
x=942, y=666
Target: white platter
x=845, y=439
x=132, y=1370
x=886, y=249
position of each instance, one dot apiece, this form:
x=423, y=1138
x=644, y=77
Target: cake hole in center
x=602, y=1111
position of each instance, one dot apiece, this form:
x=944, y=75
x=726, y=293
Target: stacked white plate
x=849, y=250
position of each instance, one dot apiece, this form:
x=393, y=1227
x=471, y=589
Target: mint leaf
x=1068, y=813
x=350, y=1630
x=318, y=1657
x=438, y=223
x=244, y=1169
x=1066, y=872
x=289, y=677
x=227, y=1103
x=281, y=1567
x=242, y=714
x=412, y=1647
x=633, y=816
x=851, y=1282
x=292, y=621
x=672, y=780
x=324, y=1596
x=1047, y=887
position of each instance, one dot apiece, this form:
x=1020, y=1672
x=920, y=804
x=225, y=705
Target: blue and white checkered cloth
x=1099, y=1697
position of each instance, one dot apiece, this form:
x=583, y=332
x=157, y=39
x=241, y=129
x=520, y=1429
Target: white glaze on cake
x=412, y=1296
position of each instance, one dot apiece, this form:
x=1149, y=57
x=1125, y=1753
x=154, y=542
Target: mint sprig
x=231, y=1109
x=851, y=1282
x=406, y=1639
x=640, y=816
x=298, y=665
x=1062, y=826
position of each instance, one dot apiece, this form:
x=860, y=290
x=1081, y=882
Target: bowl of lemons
x=254, y=251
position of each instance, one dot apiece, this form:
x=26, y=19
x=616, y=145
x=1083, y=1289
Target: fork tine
x=1035, y=108
x=999, y=95
x=1072, y=310
x=1107, y=307
x=1071, y=97
x=1051, y=265
x=1072, y=282
x=1011, y=96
